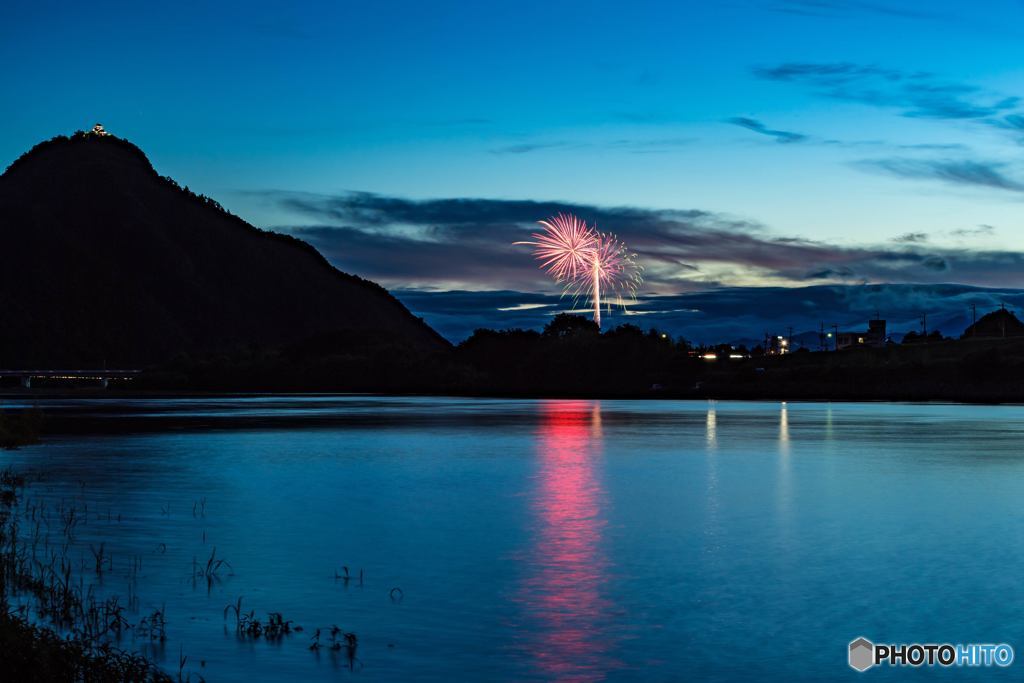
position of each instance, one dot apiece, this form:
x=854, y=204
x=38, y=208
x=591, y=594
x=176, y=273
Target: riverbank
x=31, y=653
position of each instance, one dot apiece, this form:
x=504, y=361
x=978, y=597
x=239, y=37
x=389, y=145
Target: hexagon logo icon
x=862, y=654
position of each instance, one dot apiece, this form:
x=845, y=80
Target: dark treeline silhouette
x=913, y=337
x=571, y=357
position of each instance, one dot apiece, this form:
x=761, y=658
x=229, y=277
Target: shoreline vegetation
x=79, y=647
x=30, y=653
x=60, y=624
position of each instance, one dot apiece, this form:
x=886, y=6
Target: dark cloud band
x=468, y=243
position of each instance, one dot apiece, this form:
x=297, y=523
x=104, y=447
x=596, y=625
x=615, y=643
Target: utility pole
x=835, y=337
x=821, y=336
x=924, y=327
x=789, y=338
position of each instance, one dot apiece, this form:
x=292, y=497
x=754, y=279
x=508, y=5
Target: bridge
x=102, y=376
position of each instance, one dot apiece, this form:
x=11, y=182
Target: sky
x=731, y=144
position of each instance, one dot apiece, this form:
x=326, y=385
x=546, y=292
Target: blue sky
x=754, y=142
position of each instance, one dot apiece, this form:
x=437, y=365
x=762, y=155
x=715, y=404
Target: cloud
x=839, y=7
x=525, y=307
x=467, y=243
x=648, y=146
x=964, y=172
x=782, y=136
x=1014, y=121
x=527, y=147
x=979, y=230
x=911, y=238
x=916, y=94
x=727, y=314
x=633, y=145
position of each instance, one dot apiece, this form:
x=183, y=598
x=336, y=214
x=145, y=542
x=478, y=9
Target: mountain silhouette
x=106, y=261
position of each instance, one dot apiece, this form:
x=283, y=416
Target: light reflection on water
x=566, y=592
x=553, y=540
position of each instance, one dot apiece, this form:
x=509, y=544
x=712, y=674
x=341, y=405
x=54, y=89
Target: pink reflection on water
x=567, y=616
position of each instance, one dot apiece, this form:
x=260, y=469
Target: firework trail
x=587, y=263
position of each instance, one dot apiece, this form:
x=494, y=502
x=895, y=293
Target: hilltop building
x=997, y=324
x=99, y=130
x=873, y=337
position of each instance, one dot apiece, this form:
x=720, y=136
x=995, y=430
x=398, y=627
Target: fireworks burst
x=587, y=263
x=564, y=248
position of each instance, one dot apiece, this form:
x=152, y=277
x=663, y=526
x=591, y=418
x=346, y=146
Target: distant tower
x=876, y=331
x=99, y=130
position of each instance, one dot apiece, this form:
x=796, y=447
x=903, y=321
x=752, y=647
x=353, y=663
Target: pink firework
x=588, y=264
x=565, y=247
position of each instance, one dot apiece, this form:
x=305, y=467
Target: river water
x=548, y=540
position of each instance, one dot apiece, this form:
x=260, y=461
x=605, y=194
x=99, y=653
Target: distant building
x=873, y=337
x=99, y=130
x=776, y=345
x=1000, y=323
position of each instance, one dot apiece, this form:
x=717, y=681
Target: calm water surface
x=554, y=540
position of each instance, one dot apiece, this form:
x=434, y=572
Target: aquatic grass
x=187, y=677
x=237, y=607
x=81, y=650
x=248, y=625
x=212, y=567
x=70, y=518
x=211, y=570
x=99, y=557
x=154, y=625
x=9, y=479
x=345, y=577
x=42, y=563
x=278, y=627
x=345, y=640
